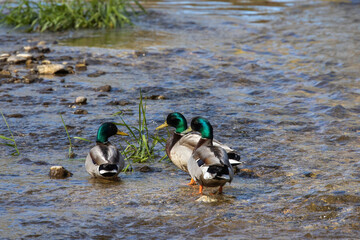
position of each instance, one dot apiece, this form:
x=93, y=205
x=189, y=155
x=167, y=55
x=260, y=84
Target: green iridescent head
x=176, y=120
x=202, y=126
x=107, y=130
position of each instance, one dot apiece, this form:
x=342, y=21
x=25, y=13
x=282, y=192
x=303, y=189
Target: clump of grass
x=10, y=141
x=141, y=147
x=59, y=15
x=71, y=152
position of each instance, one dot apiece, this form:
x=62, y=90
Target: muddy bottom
x=279, y=81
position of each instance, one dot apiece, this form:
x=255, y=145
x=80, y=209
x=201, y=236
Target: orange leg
x=220, y=189
x=192, y=182
x=201, y=189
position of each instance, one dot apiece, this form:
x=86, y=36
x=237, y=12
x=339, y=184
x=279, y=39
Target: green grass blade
x=6, y=138
x=83, y=139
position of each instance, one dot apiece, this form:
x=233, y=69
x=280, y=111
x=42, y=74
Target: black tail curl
x=218, y=170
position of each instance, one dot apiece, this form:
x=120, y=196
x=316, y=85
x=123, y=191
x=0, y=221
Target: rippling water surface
x=280, y=82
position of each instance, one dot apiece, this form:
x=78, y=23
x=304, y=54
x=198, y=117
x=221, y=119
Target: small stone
x=145, y=169
x=30, y=48
x=310, y=174
x=4, y=57
x=338, y=112
x=81, y=67
x=81, y=100
x=15, y=115
x=251, y=67
x=41, y=43
x=51, y=69
x=96, y=74
x=106, y=88
x=16, y=60
x=247, y=173
x=119, y=103
x=80, y=111
x=46, y=61
x=28, y=62
x=5, y=74
x=59, y=172
x=30, y=79
x=24, y=55
x=45, y=50
x=155, y=97
x=207, y=199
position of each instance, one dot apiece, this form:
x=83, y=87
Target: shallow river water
x=279, y=81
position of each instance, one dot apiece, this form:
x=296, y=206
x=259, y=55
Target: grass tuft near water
x=142, y=145
x=10, y=142
x=59, y=15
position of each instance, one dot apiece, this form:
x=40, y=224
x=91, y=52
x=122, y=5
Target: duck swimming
x=180, y=146
x=104, y=160
x=208, y=165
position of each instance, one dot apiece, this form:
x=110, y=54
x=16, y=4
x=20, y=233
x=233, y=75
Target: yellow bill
x=162, y=126
x=121, y=133
x=189, y=129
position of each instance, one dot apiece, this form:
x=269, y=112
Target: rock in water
x=52, y=69
x=81, y=100
x=59, y=172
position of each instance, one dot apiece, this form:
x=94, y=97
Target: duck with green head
x=179, y=146
x=104, y=160
x=208, y=165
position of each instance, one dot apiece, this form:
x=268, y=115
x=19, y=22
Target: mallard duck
x=180, y=146
x=104, y=160
x=208, y=165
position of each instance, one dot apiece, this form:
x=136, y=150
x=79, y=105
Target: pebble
x=5, y=74
x=15, y=115
x=4, y=57
x=16, y=60
x=106, y=88
x=80, y=111
x=119, y=103
x=46, y=61
x=207, y=199
x=59, y=172
x=80, y=67
x=247, y=173
x=24, y=55
x=41, y=43
x=145, y=169
x=30, y=48
x=96, y=74
x=81, y=100
x=50, y=69
x=155, y=97
x=310, y=174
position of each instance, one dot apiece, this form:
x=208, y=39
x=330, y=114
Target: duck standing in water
x=104, y=160
x=180, y=146
x=208, y=165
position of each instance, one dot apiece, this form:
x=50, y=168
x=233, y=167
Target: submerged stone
x=81, y=67
x=207, y=199
x=59, y=172
x=97, y=74
x=106, y=88
x=338, y=112
x=80, y=111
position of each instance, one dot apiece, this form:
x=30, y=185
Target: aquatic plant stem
x=12, y=139
x=71, y=153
